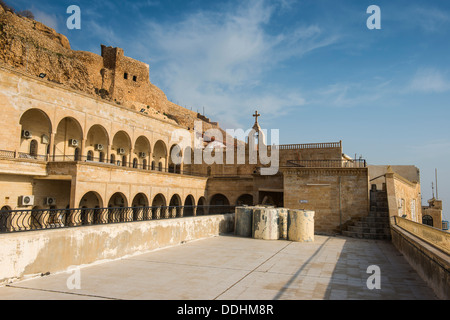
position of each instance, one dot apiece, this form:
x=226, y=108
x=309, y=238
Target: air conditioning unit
x=73, y=143
x=26, y=200
x=121, y=151
x=142, y=154
x=26, y=134
x=99, y=147
x=49, y=201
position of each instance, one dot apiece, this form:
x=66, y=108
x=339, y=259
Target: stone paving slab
x=236, y=268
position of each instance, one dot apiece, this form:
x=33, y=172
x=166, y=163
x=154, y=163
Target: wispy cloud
x=429, y=80
x=219, y=59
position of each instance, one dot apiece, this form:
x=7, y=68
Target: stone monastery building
x=81, y=130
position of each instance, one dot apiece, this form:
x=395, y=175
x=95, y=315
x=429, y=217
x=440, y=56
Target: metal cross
x=256, y=115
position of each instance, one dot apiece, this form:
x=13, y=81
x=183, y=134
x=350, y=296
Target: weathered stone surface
x=243, y=221
x=301, y=225
x=265, y=223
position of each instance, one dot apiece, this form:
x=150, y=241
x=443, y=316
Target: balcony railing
x=357, y=163
x=39, y=219
x=117, y=163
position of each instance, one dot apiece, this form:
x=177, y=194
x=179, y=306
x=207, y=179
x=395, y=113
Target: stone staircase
x=376, y=224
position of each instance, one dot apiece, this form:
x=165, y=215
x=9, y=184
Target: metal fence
x=38, y=219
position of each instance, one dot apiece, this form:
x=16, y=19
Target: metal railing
x=98, y=160
x=356, y=163
x=39, y=219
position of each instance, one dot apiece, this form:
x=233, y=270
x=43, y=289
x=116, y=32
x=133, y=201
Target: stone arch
x=219, y=204
x=245, y=199
x=91, y=199
x=90, y=203
x=121, y=147
x=68, y=137
x=142, y=151
x=97, y=140
x=35, y=125
x=174, y=165
x=117, y=205
x=160, y=154
x=159, y=206
x=189, y=206
x=140, y=206
x=175, y=206
x=201, y=206
x=5, y=218
x=118, y=200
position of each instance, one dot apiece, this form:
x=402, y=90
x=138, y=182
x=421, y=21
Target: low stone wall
x=430, y=262
x=28, y=254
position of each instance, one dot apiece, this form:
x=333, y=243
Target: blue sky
x=311, y=67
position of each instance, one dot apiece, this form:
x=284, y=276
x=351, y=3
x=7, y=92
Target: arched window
x=112, y=159
x=101, y=156
x=124, y=161
x=33, y=148
x=90, y=155
x=160, y=166
x=135, y=163
x=153, y=165
x=428, y=220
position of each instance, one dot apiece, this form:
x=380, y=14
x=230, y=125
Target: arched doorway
x=201, y=206
x=160, y=154
x=97, y=141
x=36, y=129
x=219, y=204
x=90, y=213
x=117, y=208
x=175, y=206
x=68, y=137
x=175, y=159
x=140, y=207
x=159, y=206
x=189, y=206
x=142, y=152
x=121, y=147
x=245, y=199
x=5, y=218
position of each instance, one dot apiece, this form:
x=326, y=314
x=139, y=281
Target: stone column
x=243, y=219
x=301, y=225
x=265, y=224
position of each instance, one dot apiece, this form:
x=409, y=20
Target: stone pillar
x=300, y=225
x=265, y=224
x=283, y=222
x=243, y=218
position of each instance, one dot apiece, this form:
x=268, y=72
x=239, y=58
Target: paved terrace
x=234, y=268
